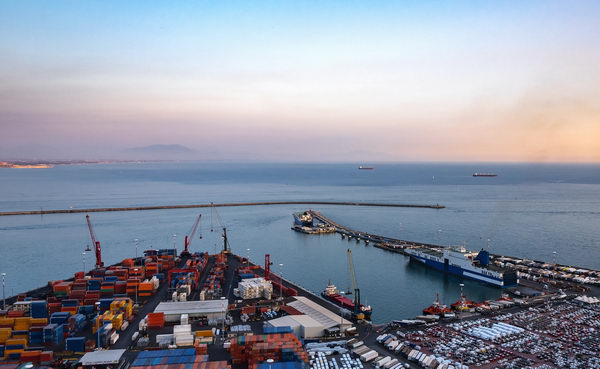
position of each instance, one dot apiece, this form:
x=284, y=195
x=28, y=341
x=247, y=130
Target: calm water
x=528, y=210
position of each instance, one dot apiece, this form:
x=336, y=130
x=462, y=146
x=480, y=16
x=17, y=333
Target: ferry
x=304, y=219
x=464, y=263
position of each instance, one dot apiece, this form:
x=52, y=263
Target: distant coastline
x=46, y=164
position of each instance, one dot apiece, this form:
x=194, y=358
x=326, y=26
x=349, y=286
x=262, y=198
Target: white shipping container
x=368, y=356
x=390, y=363
x=383, y=361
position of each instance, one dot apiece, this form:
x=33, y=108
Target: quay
x=211, y=205
x=532, y=273
x=414, y=346
x=382, y=242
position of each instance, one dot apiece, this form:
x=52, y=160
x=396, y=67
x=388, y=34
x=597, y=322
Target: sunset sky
x=302, y=81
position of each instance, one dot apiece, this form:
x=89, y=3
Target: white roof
x=325, y=317
x=102, y=357
x=192, y=307
x=284, y=321
x=306, y=321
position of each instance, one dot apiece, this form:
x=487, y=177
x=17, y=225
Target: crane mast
x=355, y=288
x=95, y=242
x=190, y=237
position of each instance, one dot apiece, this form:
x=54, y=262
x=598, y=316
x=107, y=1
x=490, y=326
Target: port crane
x=187, y=241
x=213, y=210
x=355, y=289
x=95, y=242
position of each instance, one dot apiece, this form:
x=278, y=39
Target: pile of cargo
x=254, y=288
x=256, y=349
x=176, y=359
x=182, y=335
x=155, y=320
x=21, y=335
x=212, y=286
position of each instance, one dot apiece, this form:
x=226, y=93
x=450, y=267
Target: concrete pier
x=192, y=206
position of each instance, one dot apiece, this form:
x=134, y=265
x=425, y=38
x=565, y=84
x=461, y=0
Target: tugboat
x=332, y=294
x=437, y=308
x=463, y=304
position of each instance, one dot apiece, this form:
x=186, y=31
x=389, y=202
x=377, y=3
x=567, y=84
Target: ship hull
x=465, y=273
x=345, y=303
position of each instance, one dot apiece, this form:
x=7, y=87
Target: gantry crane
x=95, y=242
x=187, y=241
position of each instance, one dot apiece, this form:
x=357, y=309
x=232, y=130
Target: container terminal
x=196, y=310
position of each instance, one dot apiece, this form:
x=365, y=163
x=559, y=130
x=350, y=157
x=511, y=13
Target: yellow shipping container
x=39, y=321
x=204, y=333
x=117, y=321
x=16, y=341
x=7, y=321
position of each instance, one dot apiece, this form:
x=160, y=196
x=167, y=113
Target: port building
x=211, y=309
x=325, y=317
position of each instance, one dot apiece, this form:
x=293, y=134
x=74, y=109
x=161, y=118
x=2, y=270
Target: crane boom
x=355, y=288
x=98, y=249
x=190, y=237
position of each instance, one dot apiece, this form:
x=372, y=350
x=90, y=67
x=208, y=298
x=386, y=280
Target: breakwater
x=192, y=206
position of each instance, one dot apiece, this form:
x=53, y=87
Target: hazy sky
x=302, y=81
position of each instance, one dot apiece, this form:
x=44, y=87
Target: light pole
x=136, y=247
x=247, y=257
x=554, y=253
x=83, y=260
x=281, y=280
x=174, y=237
x=3, y=291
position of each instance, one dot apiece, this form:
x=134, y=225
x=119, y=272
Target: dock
x=211, y=205
x=530, y=271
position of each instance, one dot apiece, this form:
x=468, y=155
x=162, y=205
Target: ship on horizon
x=477, y=174
x=365, y=168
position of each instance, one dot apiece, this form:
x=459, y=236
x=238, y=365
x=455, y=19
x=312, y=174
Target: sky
x=302, y=80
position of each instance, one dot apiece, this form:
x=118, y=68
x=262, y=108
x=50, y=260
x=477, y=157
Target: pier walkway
x=192, y=206
x=388, y=243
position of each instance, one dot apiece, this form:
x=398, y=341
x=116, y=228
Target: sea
x=543, y=211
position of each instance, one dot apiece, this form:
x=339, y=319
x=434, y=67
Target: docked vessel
x=437, y=308
x=365, y=168
x=484, y=174
x=332, y=294
x=303, y=219
x=464, y=263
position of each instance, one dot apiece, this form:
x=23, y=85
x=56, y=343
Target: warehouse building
x=323, y=316
x=212, y=309
x=303, y=325
x=107, y=359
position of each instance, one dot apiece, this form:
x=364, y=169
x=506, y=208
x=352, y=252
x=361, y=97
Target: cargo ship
x=332, y=294
x=303, y=219
x=464, y=263
x=484, y=174
x=365, y=168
